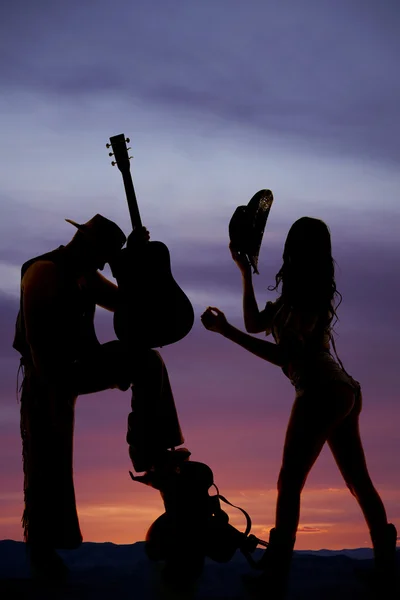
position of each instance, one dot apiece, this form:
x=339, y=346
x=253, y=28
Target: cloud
x=291, y=78
x=8, y=314
x=308, y=529
x=25, y=230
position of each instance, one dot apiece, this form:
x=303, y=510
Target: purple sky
x=220, y=98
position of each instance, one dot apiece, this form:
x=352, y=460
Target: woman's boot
x=275, y=565
x=384, y=544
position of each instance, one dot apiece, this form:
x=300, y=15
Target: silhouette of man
x=62, y=358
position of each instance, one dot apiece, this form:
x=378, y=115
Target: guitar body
x=153, y=310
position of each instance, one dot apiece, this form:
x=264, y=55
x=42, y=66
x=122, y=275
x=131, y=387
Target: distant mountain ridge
x=106, y=570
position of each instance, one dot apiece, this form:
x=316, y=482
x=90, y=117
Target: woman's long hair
x=307, y=274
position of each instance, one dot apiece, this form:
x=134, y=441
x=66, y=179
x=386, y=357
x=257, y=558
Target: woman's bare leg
x=314, y=416
x=346, y=446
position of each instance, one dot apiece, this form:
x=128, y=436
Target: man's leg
x=50, y=519
x=108, y=366
x=153, y=424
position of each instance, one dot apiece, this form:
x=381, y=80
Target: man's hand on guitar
x=138, y=236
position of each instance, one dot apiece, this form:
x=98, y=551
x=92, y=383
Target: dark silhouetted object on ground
x=193, y=526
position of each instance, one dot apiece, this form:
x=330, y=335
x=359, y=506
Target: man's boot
x=46, y=564
x=384, y=544
x=275, y=565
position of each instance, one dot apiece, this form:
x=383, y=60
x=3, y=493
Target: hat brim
x=77, y=225
x=102, y=245
x=81, y=227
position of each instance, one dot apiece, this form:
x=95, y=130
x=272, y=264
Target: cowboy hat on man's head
x=105, y=234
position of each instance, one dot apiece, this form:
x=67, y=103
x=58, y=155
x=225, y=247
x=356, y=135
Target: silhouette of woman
x=328, y=400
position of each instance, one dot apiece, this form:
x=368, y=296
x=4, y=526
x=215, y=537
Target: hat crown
x=102, y=231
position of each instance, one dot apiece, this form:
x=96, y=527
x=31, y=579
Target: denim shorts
x=320, y=371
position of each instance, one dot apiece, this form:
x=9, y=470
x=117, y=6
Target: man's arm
x=105, y=292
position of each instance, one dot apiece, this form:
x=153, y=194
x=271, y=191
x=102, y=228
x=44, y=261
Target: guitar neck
x=131, y=198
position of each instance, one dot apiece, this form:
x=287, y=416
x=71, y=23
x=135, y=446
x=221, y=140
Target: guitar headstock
x=120, y=151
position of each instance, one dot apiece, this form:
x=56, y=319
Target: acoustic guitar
x=153, y=310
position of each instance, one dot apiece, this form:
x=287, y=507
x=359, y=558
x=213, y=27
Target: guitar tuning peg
x=130, y=157
x=129, y=148
x=111, y=154
x=108, y=145
x=127, y=140
x=113, y=163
